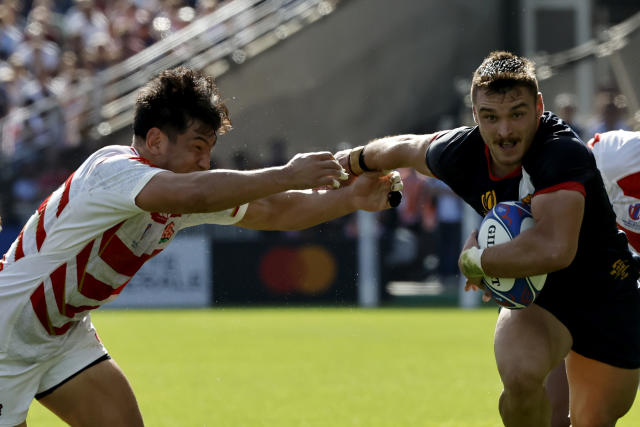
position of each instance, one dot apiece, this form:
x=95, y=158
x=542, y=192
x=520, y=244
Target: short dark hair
x=173, y=99
x=501, y=71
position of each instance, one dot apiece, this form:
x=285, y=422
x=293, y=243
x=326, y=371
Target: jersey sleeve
x=442, y=154
x=116, y=181
x=562, y=165
x=225, y=217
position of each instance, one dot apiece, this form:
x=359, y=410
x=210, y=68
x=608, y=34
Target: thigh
x=98, y=396
x=529, y=341
x=600, y=392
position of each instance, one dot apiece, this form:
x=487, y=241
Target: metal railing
x=232, y=34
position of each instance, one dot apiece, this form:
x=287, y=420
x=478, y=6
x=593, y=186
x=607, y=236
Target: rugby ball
x=503, y=223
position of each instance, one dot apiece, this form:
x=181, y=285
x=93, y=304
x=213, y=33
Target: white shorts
x=21, y=382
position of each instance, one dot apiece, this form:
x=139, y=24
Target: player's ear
x=475, y=115
x=153, y=141
x=539, y=104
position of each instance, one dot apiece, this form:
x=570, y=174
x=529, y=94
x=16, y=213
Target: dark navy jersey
x=556, y=160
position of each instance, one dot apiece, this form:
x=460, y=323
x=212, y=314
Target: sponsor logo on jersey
x=634, y=211
x=488, y=201
x=619, y=269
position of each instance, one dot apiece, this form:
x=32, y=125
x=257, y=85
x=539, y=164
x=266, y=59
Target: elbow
x=560, y=256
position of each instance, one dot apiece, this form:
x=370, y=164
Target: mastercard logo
x=308, y=269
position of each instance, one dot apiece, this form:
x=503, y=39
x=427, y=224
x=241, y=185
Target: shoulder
x=617, y=153
x=452, y=146
x=555, y=139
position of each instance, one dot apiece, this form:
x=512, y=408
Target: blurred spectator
x=449, y=229
x=11, y=34
x=611, y=107
x=565, y=107
x=83, y=19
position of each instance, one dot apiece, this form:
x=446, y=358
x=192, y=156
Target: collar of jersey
x=515, y=173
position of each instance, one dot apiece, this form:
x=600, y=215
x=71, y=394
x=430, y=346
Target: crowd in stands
x=47, y=47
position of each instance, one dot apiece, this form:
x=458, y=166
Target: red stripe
x=40, y=308
x=569, y=185
x=41, y=233
x=19, y=250
x=39, y=305
x=235, y=211
x=631, y=185
x=64, y=200
x=108, y=235
x=119, y=257
x=58, y=280
x=159, y=218
x=94, y=288
x=81, y=262
x=593, y=141
x=143, y=160
x=632, y=237
x=71, y=310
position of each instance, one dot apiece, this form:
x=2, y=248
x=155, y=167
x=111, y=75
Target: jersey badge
x=488, y=201
x=619, y=269
x=634, y=211
x=168, y=232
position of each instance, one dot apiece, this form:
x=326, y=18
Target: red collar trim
x=516, y=172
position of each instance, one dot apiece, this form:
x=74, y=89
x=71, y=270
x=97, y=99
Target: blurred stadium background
x=298, y=75
x=302, y=75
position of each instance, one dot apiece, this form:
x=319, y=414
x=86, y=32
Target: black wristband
x=361, y=162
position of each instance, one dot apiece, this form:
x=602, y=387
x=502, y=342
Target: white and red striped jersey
x=82, y=246
x=617, y=154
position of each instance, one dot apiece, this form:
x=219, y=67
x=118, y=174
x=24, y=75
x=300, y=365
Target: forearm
x=527, y=255
x=394, y=152
x=296, y=210
x=209, y=191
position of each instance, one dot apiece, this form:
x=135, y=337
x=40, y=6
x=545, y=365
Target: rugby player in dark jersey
x=589, y=310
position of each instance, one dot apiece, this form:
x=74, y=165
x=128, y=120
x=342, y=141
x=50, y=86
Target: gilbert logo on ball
x=503, y=223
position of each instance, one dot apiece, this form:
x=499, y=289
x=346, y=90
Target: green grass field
x=307, y=367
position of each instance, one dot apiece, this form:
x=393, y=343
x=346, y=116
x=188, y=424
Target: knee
x=522, y=382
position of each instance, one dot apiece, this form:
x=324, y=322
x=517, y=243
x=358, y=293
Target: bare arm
x=296, y=210
x=216, y=190
x=392, y=152
x=550, y=245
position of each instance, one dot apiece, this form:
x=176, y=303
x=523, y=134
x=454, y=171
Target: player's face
x=191, y=150
x=508, y=123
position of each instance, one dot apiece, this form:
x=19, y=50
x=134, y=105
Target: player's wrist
x=357, y=163
x=471, y=262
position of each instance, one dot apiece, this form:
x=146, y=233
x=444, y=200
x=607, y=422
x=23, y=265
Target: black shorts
x=604, y=324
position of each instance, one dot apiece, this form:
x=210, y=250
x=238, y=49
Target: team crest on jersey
x=634, y=211
x=619, y=269
x=168, y=232
x=488, y=201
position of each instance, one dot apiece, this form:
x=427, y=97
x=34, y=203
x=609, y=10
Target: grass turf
x=307, y=367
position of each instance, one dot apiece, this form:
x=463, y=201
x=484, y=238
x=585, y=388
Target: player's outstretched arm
x=296, y=210
x=216, y=190
x=388, y=153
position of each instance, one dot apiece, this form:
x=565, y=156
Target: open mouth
x=507, y=145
